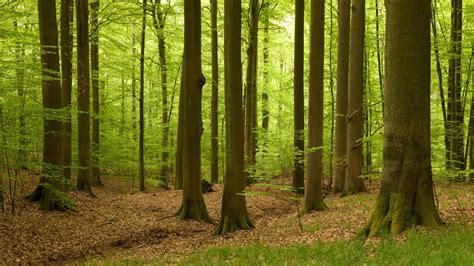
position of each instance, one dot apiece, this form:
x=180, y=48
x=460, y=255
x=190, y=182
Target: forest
x=305, y=132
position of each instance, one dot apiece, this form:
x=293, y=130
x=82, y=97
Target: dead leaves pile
x=120, y=226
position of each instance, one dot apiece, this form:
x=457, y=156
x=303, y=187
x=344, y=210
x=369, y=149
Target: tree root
x=47, y=200
x=230, y=224
x=194, y=211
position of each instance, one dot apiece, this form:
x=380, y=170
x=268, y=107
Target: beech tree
x=406, y=193
x=193, y=206
x=353, y=181
x=298, y=92
x=50, y=191
x=141, y=101
x=215, y=96
x=95, y=92
x=340, y=141
x=313, y=194
x=234, y=214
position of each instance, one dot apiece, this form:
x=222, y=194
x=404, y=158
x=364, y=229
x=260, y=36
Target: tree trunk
x=266, y=58
x=340, y=141
x=353, y=182
x=471, y=123
x=379, y=52
x=67, y=18
x=141, y=101
x=406, y=195
x=251, y=91
x=179, y=139
x=2, y=161
x=455, y=110
x=20, y=88
x=83, y=97
x=95, y=93
x=50, y=191
x=234, y=214
x=193, y=206
x=215, y=96
x=298, y=90
x=331, y=89
x=313, y=196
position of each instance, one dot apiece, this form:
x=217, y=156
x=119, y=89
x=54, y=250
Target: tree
x=234, y=214
x=84, y=181
x=95, y=92
x=141, y=100
x=50, y=191
x=298, y=91
x=340, y=142
x=193, y=206
x=251, y=89
x=266, y=60
x=406, y=195
x=353, y=182
x=455, y=114
x=471, y=123
x=67, y=18
x=313, y=194
x=215, y=95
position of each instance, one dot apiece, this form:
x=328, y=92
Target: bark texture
x=353, y=182
x=193, y=206
x=141, y=101
x=215, y=96
x=95, y=92
x=298, y=92
x=313, y=196
x=340, y=141
x=406, y=195
x=234, y=215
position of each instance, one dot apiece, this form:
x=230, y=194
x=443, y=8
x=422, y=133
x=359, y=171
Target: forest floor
x=120, y=224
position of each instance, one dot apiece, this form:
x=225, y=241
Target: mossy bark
x=406, y=194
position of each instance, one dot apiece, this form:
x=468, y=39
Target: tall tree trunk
x=67, y=18
x=95, y=92
x=2, y=161
x=251, y=90
x=179, y=139
x=266, y=58
x=439, y=71
x=193, y=206
x=379, y=52
x=367, y=117
x=141, y=101
x=455, y=110
x=50, y=190
x=331, y=89
x=234, y=214
x=340, y=140
x=471, y=124
x=406, y=195
x=83, y=97
x=20, y=88
x=313, y=196
x=215, y=96
x=298, y=90
x=354, y=183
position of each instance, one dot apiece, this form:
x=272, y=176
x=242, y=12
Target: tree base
x=47, y=200
x=230, y=224
x=317, y=206
x=194, y=211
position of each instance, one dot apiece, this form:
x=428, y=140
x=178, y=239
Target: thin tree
x=215, y=96
x=266, y=60
x=340, y=141
x=141, y=100
x=471, y=123
x=50, y=191
x=251, y=89
x=406, y=195
x=298, y=92
x=95, y=92
x=84, y=181
x=379, y=50
x=67, y=18
x=353, y=181
x=193, y=206
x=234, y=214
x=179, y=139
x=313, y=194
x=2, y=161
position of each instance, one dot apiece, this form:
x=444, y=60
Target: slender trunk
x=251, y=90
x=340, y=140
x=367, y=118
x=67, y=18
x=298, y=90
x=471, y=124
x=84, y=181
x=234, y=214
x=20, y=88
x=179, y=139
x=193, y=206
x=215, y=96
x=354, y=183
x=95, y=92
x=331, y=89
x=379, y=52
x=2, y=161
x=266, y=58
x=141, y=101
x=122, y=109
x=313, y=196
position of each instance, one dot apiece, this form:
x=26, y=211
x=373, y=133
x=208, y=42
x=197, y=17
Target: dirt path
x=120, y=226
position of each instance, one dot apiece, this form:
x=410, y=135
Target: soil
x=123, y=224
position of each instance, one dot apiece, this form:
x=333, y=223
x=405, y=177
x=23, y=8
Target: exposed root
x=317, y=206
x=229, y=224
x=48, y=201
x=194, y=211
